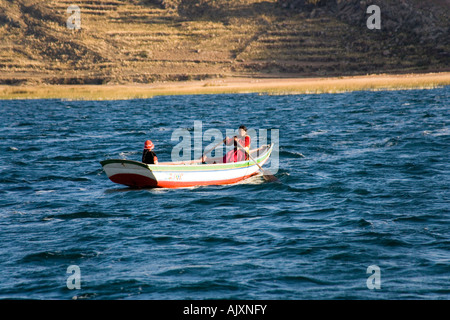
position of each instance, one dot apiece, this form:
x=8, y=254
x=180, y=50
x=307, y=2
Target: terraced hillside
x=131, y=41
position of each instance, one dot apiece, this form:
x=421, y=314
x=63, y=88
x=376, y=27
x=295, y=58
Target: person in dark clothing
x=148, y=156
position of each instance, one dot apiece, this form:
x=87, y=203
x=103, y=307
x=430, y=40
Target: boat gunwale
x=194, y=167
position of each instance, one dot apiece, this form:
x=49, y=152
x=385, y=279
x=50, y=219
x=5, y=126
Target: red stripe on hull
x=133, y=180
x=138, y=181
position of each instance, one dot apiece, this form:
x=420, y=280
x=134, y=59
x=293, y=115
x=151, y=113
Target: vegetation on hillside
x=141, y=41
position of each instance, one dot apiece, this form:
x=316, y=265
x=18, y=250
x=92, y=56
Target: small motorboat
x=182, y=174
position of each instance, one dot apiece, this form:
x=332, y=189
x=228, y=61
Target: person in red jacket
x=237, y=154
x=148, y=156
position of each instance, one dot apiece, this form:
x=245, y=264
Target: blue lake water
x=364, y=181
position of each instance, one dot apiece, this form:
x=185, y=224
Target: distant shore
x=264, y=85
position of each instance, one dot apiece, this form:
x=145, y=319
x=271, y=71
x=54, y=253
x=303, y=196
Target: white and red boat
x=185, y=173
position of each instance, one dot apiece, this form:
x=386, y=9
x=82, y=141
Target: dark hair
x=243, y=127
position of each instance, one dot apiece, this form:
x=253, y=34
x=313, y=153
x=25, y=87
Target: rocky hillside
x=141, y=41
x=413, y=22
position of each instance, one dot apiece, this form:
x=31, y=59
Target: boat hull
x=140, y=175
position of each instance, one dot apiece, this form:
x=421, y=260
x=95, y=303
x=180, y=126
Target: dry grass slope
x=131, y=41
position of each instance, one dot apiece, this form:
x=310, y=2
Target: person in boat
x=148, y=156
x=237, y=154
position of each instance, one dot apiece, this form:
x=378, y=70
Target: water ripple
x=363, y=180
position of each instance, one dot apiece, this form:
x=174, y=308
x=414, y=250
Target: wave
x=438, y=133
x=79, y=215
x=68, y=255
x=315, y=133
x=360, y=223
x=386, y=143
x=297, y=279
x=291, y=154
x=62, y=178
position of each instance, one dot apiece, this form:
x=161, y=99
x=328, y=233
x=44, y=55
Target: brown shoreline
x=229, y=85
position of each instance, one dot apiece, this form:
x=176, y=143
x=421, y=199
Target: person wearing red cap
x=148, y=156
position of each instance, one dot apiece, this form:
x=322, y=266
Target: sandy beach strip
x=263, y=85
